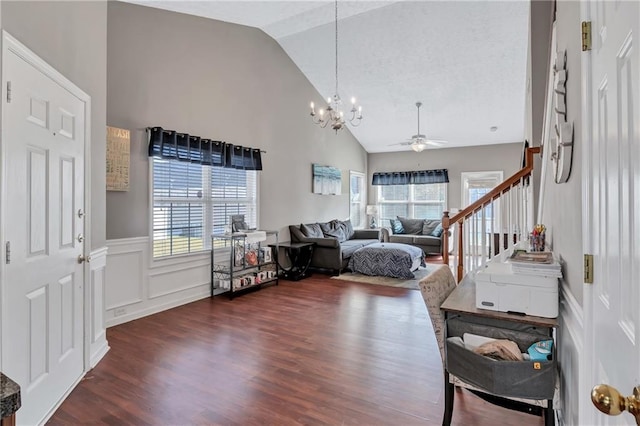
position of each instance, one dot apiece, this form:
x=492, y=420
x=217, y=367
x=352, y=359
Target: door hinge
x=588, y=268
x=7, y=252
x=8, y=92
x=586, y=35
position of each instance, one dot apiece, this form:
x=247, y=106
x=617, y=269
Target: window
x=421, y=201
x=357, y=199
x=475, y=185
x=190, y=202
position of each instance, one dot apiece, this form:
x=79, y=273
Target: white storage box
x=499, y=289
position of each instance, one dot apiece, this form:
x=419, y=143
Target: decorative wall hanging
x=563, y=150
x=327, y=180
x=118, y=159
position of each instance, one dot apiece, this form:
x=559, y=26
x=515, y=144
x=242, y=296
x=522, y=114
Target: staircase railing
x=494, y=222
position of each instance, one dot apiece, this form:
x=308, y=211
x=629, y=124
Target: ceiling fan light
x=418, y=146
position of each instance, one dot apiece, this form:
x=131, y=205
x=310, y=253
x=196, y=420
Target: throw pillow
x=396, y=226
x=438, y=231
x=337, y=233
x=411, y=226
x=429, y=226
x=347, y=227
x=311, y=230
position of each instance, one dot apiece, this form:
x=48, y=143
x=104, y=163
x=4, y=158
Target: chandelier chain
x=336, y=21
x=333, y=113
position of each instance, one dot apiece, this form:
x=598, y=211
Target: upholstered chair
x=435, y=288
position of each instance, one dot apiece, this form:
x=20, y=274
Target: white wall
x=562, y=214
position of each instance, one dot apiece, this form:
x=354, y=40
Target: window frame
x=411, y=203
x=208, y=202
x=363, y=200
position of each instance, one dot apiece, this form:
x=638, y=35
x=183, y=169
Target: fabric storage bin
x=520, y=379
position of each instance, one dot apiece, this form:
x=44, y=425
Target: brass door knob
x=611, y=402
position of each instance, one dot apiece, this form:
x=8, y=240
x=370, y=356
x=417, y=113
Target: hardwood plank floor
x=313, y=352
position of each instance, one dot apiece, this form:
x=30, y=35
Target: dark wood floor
x=317, y=351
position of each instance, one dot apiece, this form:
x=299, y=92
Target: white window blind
x=423, y=201
x=190, y=202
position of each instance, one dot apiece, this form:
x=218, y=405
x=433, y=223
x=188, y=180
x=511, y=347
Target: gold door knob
x=608, y=400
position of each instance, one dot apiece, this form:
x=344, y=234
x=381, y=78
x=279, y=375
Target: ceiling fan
x=419, y=142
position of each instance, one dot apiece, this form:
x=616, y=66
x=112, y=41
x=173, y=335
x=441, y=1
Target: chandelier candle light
x=333, y=113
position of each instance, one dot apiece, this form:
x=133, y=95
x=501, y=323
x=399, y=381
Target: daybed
x=335, y=242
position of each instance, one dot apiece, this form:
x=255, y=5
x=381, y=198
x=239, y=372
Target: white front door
x=615, y=238
x=43, y=131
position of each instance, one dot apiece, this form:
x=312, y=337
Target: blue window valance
x=412, y=177
x=172, y=145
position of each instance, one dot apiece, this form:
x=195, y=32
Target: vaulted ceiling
x=464, y=60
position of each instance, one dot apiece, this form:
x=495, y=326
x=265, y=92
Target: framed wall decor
x=327, y=180
x=118, y=158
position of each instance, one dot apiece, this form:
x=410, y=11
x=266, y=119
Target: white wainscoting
x=571, y=346
x=98, y=345
x=137, y=286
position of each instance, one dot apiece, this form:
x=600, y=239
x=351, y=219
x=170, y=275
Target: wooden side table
x=299, y=254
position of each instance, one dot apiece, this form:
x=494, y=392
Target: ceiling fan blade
x=401, y=143
x=435, y=142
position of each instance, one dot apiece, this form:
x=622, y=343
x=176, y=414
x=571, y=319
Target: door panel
x=615, y=93
x=42, y=313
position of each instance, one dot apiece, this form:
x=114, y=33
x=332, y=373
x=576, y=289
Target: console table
x=299, y=255
x=536, y=380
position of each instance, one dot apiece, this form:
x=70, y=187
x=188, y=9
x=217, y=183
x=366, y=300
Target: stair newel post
x=445, y=242
x=460, y=250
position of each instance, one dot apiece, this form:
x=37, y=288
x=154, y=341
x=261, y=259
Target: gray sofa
x=335, y=242
x=426, y=234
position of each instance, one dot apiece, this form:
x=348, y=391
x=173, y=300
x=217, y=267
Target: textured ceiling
x=464, y=60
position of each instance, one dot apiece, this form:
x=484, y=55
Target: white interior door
x=615, y=297
x=43, y=135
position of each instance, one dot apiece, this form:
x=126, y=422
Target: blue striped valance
x=415, y=177
x=172, y=145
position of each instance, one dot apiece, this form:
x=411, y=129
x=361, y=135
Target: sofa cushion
x=396, y=226
x=411, y=226
x=438, y=231
x=350, y=246
x=429, y=226
x=426, y=240
x=311, y=230
x=402, y=238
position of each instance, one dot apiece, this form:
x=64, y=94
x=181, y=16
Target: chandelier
x=333, y=112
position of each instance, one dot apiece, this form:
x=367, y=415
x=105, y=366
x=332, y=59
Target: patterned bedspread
x=387, y=259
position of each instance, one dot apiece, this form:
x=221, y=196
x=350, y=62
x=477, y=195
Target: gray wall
x=503, y=157
x=226, y=82
x=72, y=37
x=562, y=204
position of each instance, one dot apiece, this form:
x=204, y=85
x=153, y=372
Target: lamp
x=333, y=113
x=372, y=210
